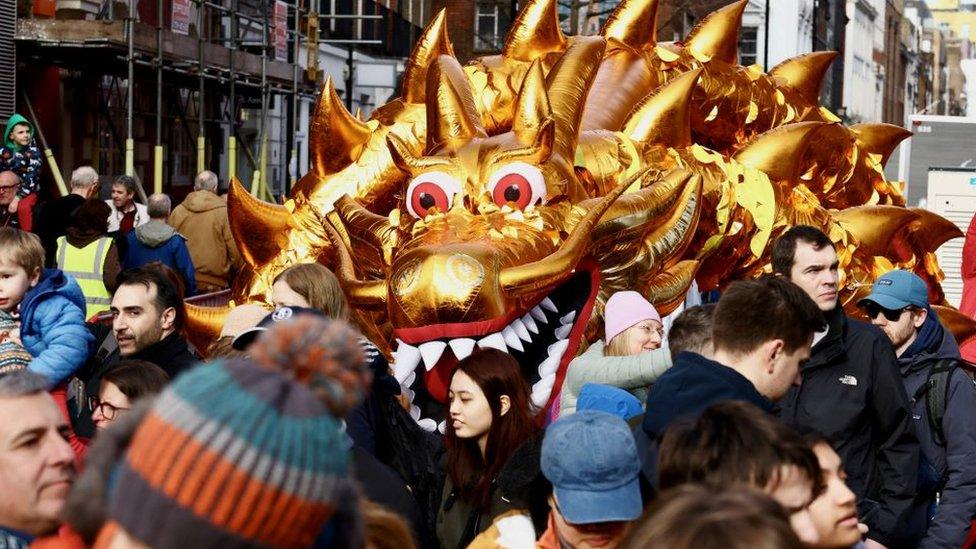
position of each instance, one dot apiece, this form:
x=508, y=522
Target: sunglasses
x=873, y=310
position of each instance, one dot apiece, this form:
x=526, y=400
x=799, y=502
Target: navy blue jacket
x=956, y=461
x=157, y=241
x=691, y=385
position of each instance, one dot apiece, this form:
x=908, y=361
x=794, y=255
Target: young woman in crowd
x=123, y=384
x=312, y=286
x=834, y=511
x=493, y=449
x=629, y=357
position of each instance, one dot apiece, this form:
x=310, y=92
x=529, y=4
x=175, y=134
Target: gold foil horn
x=532, y=107
x=717, y=36
x=633, y=22
x=931, y=230
x=874, y=226
x=368, y=294
x=668, y=288
x=256, y=225
x=336, y=138
x=805, y=73
x=433, y=43
x=671, y=239
x=664, y=116
x=568, y=83
x=452, y=118
x=779, y=152
x=879, y=139
x=535, y=32
x=203, y=324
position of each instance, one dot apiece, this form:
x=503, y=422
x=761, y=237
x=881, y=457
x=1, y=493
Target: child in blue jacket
x=50, y=304
x=21, y=155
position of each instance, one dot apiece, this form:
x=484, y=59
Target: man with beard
x=851, y=391
x=943, y=400
x=37, y=466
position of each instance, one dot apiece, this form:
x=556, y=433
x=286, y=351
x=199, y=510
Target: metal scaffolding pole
x=259, y=175
x=293, y=157
x=130, y=84
x=201, y=135
x=231, y=138
x=158, y=149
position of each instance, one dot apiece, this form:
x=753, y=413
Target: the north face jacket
x=852, y=393
x=24, y=161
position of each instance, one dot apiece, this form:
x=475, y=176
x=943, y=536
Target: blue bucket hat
x=591, y=460
x=613, y=400
x=898, y=289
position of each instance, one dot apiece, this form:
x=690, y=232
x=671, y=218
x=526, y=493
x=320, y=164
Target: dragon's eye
x=518, y=183
x=431, y=190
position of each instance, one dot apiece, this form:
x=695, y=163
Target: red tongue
x=439, y=379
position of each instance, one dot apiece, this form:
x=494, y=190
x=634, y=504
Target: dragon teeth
x=549, y=365
x=562, y=332
x=441, y=427
x=432, y=351
x=558, y=348
x=493, y=341
x=521, y=330
x=405, y=360
x=538, y=314
x=529, y=323
x=542, y=389
x=512, y=339
x=548, y=305
x=568, y=319
x=427, y=424
x=415, y=413
x=461, y=347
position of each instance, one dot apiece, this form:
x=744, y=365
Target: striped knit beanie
x=233, y=454
x=13, y=356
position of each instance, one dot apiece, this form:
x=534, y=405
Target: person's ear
x=506, y=404
x=919, y=316
x=35, y=277
x=771, y=353
x=168, y=318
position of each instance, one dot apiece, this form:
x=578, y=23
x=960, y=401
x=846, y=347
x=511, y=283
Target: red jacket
x=968, y=270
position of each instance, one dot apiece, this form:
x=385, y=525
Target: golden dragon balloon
x=499, y=204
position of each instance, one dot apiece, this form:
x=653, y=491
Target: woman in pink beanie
x=629, y=356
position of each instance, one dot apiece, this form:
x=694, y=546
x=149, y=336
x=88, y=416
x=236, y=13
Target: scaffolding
x=239, y=56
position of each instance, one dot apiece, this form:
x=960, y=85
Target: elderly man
x=9, y=183
x=202, y=218
x=54, y=216
x=157, y=241
x=37, y=466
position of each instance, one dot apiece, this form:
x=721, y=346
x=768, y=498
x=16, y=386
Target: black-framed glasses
x=108, y=411
x=873, y=310
x=5, y=188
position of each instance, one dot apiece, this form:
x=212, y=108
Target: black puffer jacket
x=852, y=393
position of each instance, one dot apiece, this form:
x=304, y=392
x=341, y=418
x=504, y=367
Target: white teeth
x=427, y=424
x=521, y=330
x=549, y=365
x=405, y=360
x=411, y=377
x=542, y=389
x=462, y=347
x=408, y=392
x=558, y=348
x=562, y=332
x=512, y=339
x=432, y=351
x=538, y=314
x=548, y=305
x=568, y=319
x=441, y=427
x=530, y=323
x=415, y=413
x=494, y=341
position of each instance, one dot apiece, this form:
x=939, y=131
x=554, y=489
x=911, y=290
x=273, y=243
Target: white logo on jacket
x=848, y=380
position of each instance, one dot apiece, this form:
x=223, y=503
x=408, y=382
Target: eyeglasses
x=873, y=310
x=108, y=411
x=5, y=188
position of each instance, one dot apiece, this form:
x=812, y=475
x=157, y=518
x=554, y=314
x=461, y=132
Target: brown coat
x=202, y=219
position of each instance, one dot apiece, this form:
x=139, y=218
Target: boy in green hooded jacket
x=21, y=155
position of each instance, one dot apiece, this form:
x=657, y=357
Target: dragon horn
x=874, y=227
x=805, y=73
x=558, y=265
x=452, y=118
x=672, y=237
x=536, y=32
x=364, y=225
x=779, y=152
x=670, y=287
x=203, y=324
x=633, y=22
x=255, y=224
x=532, y=108
x=336, y=137
x=368, y=294
x=635, y=213
x=568, y=83
x=432, y=43
x=664, y=116
x=880, y=139
x=717, y=36
x=931, y=230
x=961, y=325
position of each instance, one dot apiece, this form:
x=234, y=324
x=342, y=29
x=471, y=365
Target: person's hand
x=871, y=544
x=12, y=208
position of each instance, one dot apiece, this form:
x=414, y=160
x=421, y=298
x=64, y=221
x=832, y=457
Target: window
x=490, y=27
x=748, y=42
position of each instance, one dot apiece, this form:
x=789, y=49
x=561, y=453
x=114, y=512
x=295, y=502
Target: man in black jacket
x=852, y=391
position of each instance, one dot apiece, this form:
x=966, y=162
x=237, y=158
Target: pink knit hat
x=625, y=309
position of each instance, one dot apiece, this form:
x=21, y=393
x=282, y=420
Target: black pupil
x=512, y=193
x=427, y=200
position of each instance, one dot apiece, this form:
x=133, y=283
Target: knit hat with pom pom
x=249, y=452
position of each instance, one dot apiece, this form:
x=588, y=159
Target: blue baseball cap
x=613, y=400
x=590, y=458
x=898, y=289
x=247, y=337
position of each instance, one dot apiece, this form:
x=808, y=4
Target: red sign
x=280, y=31
x=181, y=17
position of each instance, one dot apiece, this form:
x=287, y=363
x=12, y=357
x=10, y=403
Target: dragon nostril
x=466, y=270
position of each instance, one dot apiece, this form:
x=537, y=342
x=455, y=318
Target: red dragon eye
x=518, y=183
x=431, y=190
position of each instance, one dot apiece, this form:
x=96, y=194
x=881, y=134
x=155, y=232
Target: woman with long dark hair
x=493, y=446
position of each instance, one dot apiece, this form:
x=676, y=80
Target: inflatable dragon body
x=499, y=204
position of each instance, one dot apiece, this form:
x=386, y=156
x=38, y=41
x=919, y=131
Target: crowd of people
x=770, y=419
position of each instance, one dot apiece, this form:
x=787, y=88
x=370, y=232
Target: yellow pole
x=158, y=169
x=55, y=171
x=201, y=149
x=264, y=161
x=231, y=157
x=130, y=165
x=256, y=182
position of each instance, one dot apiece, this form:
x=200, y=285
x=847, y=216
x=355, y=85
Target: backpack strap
x=937, y=395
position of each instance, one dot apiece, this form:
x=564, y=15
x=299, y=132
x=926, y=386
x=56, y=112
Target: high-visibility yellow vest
x=86, y=265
